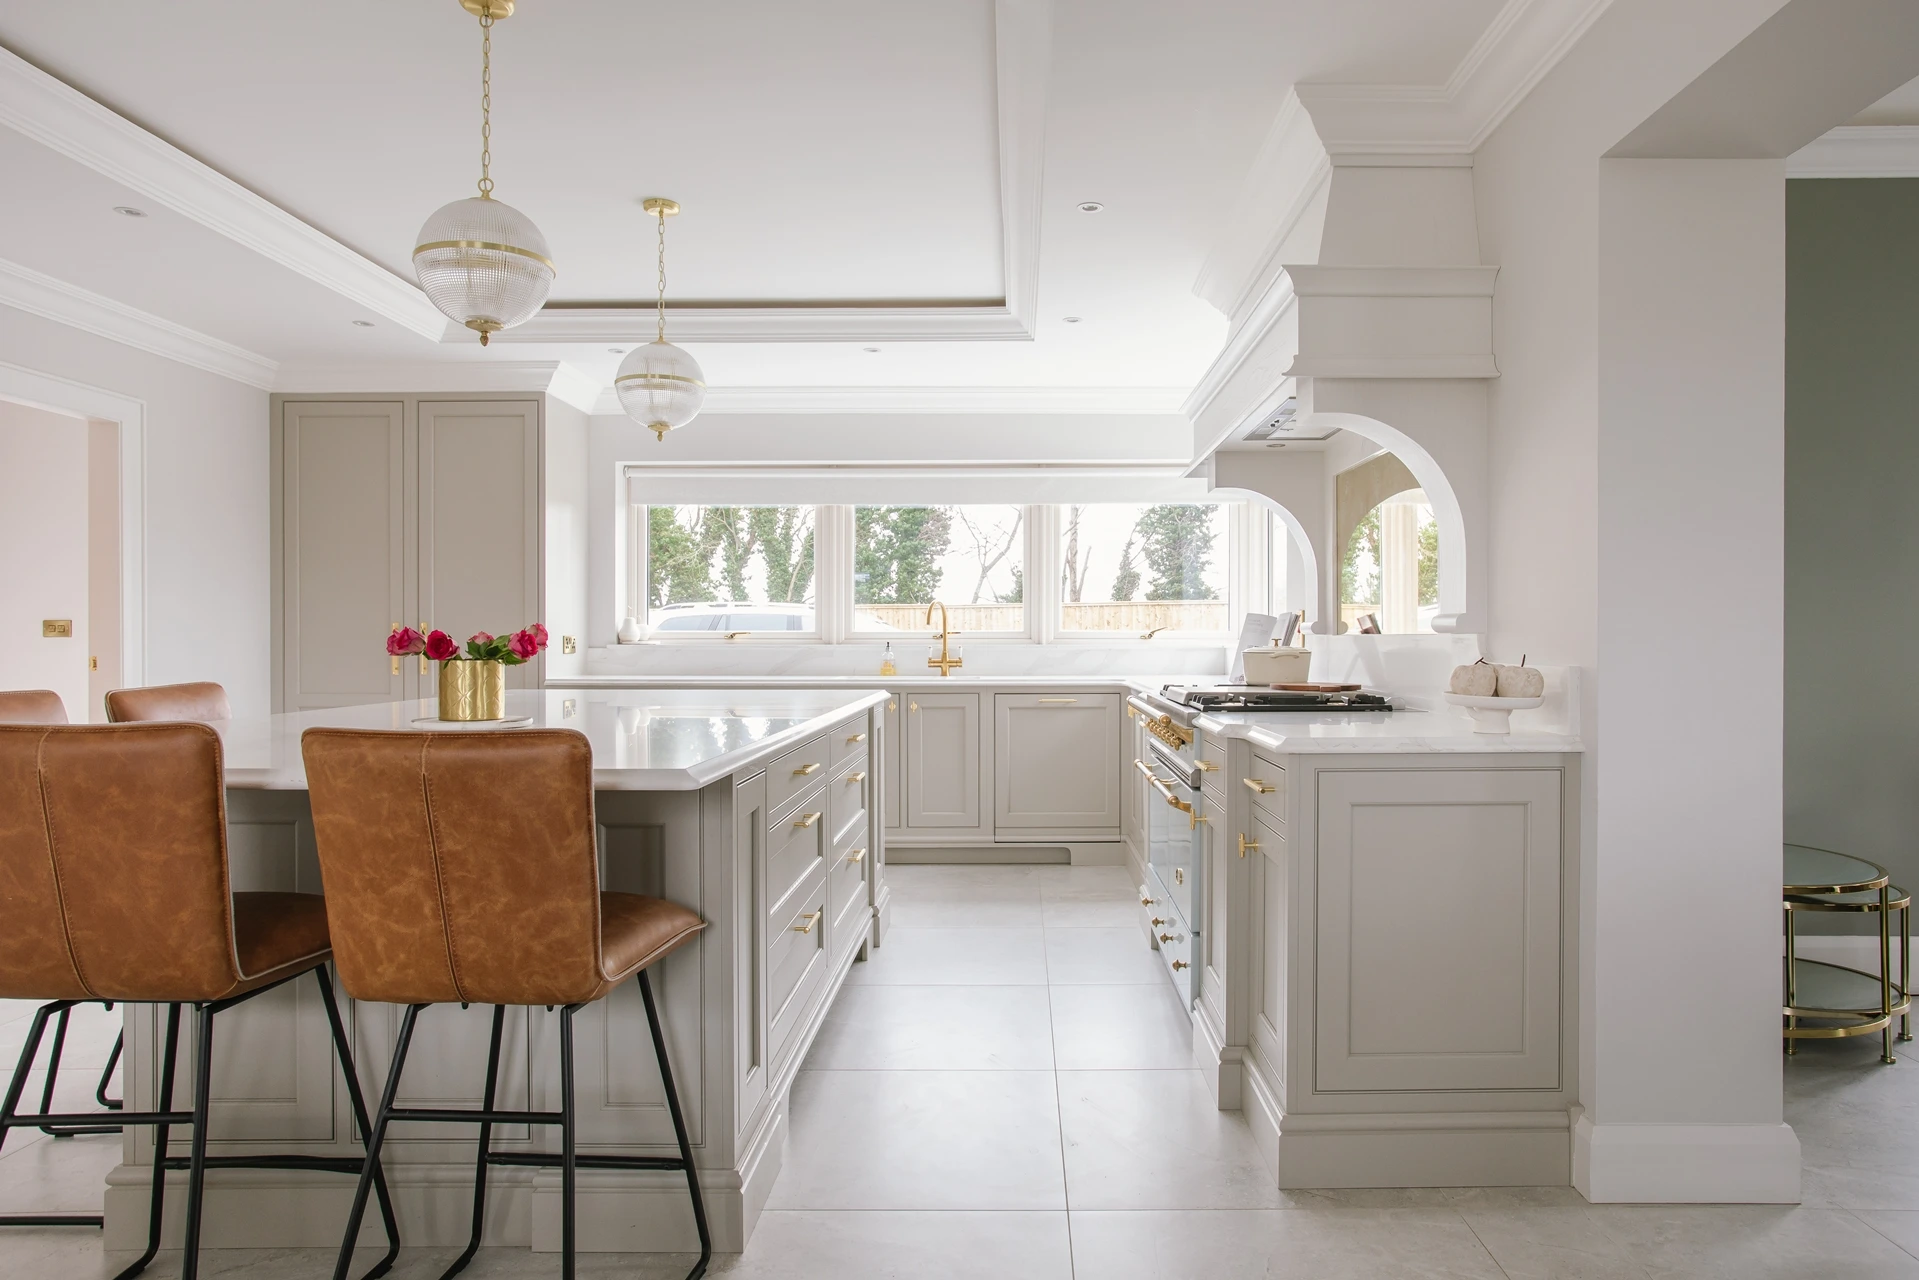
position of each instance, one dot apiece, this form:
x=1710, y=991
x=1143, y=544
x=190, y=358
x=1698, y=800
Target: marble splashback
x=758, y=659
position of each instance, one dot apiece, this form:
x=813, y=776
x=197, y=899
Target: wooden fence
x=1136, y=616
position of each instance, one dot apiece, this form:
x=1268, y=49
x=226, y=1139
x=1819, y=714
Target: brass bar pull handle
x=806, y=769
x=1259, y=788
x=1160, y=785
x=396, y=671
x=423, y=662
x=1208, y=766
x=855, y=855
x=1059, y=700
x=855, y=739
x=812, y=918
x=1245, y=844
x=857, y=776
x=805, y=820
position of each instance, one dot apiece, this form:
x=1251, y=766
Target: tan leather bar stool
x=462, y=867
x=201, y=700
x=113, y=875
x=43, y=706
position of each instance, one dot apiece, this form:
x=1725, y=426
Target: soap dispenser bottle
x=886, y=661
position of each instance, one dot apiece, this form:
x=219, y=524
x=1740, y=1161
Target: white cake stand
x=1492, y=715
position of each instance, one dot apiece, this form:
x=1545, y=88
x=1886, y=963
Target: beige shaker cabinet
x=1056, y=766
x=408, y=511
x=941, y=749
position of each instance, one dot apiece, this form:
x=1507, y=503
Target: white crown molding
x=1288, y=175
x=597, y=325
x=1859, y=151
x=1023, y=52
x=964, y=469
x=1108, y=400
x=1518, y=48
x=42, y=295
x=540, y=377
x=54, y=114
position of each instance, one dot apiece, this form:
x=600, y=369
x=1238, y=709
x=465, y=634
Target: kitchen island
x=754, y=807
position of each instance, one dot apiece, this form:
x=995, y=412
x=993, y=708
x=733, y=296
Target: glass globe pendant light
x=480, y=260
x=660, y=386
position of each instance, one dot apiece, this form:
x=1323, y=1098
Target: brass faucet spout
x=945, y=662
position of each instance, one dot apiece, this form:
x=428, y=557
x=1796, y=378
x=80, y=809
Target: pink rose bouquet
x=404, y=642
x=481, y=646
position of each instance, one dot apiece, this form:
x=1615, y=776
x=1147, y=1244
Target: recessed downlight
x=616, y=351
x=871, y=351
x=363, y=324
x=1071, y=319
x=128, y=211
x=1090, y=206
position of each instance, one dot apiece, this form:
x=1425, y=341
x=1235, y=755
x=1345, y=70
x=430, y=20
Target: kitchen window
x=718, y=570
x=971, y=558
x=1135, y=568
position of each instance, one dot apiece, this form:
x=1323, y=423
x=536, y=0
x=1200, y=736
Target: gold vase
x=472, y=690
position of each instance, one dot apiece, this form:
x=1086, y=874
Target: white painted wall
x=43, y=551
x=564, y=476
x=206, y=482
x=103, y=564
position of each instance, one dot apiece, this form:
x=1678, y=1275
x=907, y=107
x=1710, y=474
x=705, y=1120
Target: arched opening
x=1388, y=550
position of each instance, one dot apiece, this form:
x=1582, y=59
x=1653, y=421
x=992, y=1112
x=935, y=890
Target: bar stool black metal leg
x=569, y=1152
x=156, y=1199
x=10, y=1107
x=375, y=1139
x=202, y=1108
x=53, y=1076
x=480, y=1161
x=361, y=1119
x=679, y=1129
x=106, y=1074
x=53, y=1066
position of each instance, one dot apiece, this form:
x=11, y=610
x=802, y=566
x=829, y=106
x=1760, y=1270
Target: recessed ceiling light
x=128, y=211
x=1091, y=206
x=363, y=324
x=616, y=351
x=1070, y=319
x=870, y=350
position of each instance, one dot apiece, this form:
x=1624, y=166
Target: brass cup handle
x=855, y=739
x=858, y=775
x=1181, y=964
x=805, y=770
x=1259, y=788
x=1164, y=788
x=855, y=855
x=1245, y=844
x=812, y=918
x=806, y=820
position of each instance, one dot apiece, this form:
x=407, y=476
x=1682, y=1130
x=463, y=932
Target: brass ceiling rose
x=478, y=8
x=660, y=206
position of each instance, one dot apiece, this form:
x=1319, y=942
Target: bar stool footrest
x=542, y=1160
x=52, y=1220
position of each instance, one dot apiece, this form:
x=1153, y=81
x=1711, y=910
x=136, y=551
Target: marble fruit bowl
x=1492, y=715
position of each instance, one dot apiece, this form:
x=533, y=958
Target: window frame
x=1026, y=634
x=639, y=572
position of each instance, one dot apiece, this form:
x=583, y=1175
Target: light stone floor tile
x=1102, y=1028
x=1291, y=1244
x=57, y=1175
x=1157, y=1140
x=1568, y=1243
x=1751, y=1242
x=90, y=1034
x=969, y=908
x=1118, y=955
x=1088, y=897
x=948, y=957
x=922, y=1140
x=941, y=1028
x=1901, y=1226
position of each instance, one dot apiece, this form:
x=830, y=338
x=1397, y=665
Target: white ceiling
x=832, y=152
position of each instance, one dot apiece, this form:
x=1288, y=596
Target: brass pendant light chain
x=486, y=104
x=662, y=275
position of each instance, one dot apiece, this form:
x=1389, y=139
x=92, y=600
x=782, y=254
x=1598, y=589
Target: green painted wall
x=1852, y=520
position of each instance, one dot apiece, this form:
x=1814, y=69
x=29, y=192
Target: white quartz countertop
x=907, y=680
x=1378, y=732
x=649, y=739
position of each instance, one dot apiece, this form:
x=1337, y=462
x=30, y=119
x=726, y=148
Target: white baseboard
x=1686, y=1163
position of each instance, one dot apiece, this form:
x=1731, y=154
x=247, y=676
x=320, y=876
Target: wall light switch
x=61, y=628
x=569, y=645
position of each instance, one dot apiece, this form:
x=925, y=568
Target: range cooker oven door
x=1174, y=862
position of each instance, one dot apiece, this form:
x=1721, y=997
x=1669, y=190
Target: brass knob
x=1157, y=922
x=1165, y=937
x=1147, y=902
x=912, y=706
x=1180, y=964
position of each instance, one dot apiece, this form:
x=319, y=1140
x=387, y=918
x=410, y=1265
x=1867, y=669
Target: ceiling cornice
x=556, y=378
x=1859, y=151
x=42, y=295
x=959, y=323
x=60, y=117
x=1109, y=400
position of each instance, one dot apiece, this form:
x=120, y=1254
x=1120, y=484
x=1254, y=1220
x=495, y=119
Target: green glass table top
x=1809, y=870
x=1833, y=990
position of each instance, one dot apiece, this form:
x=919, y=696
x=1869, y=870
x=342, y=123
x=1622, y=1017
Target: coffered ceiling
x=900, y=174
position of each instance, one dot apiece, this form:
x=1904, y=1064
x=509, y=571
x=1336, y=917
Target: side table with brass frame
x=1844, y=1001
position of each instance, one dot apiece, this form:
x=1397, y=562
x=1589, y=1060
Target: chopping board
x=1318, y=688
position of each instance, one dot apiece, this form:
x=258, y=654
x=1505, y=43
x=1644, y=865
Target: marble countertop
x=643, y=739
x=1411, y=732
x=912, y=680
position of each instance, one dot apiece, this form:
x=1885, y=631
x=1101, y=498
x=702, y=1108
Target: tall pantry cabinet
x=403, y=510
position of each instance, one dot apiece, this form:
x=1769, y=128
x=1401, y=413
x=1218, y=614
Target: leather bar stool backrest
x=31, y=706
x=113, y=871
x=201, y=700
x=459, y=866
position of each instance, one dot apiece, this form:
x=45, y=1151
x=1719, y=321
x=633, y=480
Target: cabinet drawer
x=788, y=777
x=846, y=884
x=1265, y=782
x=846, y=799
x=795, y=962
x=1212, y=764
x=847, y=741
x=795, y=845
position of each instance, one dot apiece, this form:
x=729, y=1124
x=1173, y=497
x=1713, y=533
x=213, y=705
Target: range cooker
x=1178, y=829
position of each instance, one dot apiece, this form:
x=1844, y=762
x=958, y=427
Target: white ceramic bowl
x=1492, y=715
